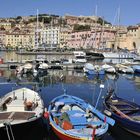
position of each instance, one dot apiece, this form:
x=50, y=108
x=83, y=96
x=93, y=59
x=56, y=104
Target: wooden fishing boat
x=72, y=118
x=136, y=68
x=89, y=68
x=19, y=109
x=125, y=113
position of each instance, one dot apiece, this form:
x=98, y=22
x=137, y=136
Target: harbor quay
x=13, y=65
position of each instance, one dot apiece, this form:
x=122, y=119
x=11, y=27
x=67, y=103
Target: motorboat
x=27, y=67
x=19, y=70
x=99, y=70
x=40, y=69
x=136, y=68
x=108, y=68
x=79, y=57
x=89, y=68
x=73, y=118
x=124, y=69
x=66, y=61
x=125, y=113
x=19, y=110
x=43, y=66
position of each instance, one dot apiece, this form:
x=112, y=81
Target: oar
x=121, y=113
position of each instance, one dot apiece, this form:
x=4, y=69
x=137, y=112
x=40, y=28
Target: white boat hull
x=119, y=55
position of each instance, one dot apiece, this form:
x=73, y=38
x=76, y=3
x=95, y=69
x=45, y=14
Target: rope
x=11, y=132
x=7, y=132
x=99, y=96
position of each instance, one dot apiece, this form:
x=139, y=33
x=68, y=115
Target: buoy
x=46, y=115
x=66, y=125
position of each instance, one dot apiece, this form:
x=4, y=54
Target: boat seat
x=114, y=101
x=65, y=108
x=77, y=117
x=136, y=118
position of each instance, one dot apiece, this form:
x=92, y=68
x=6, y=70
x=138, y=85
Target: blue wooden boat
x=72, y=118
x=136, y=68
x=125, y=113
x=89, y=68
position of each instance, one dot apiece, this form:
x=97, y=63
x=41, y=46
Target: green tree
x=78, y=27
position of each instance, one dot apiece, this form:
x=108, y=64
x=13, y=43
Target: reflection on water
x=78, y=84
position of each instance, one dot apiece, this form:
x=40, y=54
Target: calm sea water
x=78, y=84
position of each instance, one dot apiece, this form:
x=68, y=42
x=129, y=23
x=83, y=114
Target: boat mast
x=37, y=31
x=118, y=25
x=117, y=30
x=51, y=32
x=96, y=8
x=101, y=39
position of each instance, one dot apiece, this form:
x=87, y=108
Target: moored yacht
x=118, y=55
x=80, y=57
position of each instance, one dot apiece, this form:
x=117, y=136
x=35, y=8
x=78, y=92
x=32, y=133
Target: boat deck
x=16, y=115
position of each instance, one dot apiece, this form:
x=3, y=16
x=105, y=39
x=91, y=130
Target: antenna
x=119, y=10
x=96, y=8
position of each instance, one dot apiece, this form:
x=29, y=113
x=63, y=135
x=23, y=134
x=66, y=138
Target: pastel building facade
x=2, y=37
x=90, y=39
x=133, y=38
x=18, y=38
x=6, y=25
x=64, y=31
x=53, y=36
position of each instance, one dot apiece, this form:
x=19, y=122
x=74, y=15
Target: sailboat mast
x=51, y=32
x=96, y=8
x=118, y=29
x=37, y=30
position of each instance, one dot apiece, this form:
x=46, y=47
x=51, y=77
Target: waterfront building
x=64, y=31
x=128, y=39
x=18, y=38
x=2, y=37
x=43, y=37
x=133, y=38
x=53, y=36
x=5, y=25
x=90, y=39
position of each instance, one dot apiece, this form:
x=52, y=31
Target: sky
x=129, y=9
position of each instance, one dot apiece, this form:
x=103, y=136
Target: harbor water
x=75, y=83
x=78, y=84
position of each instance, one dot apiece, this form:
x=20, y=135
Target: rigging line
x=11, y=132
x=7, y=132
x=101, y=87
